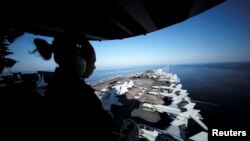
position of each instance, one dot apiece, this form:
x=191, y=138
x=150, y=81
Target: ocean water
x=221, y=91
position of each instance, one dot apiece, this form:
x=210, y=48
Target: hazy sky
x=221, y=34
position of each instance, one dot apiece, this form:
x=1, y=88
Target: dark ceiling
x=99, y=19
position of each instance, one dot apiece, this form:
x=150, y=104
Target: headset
x=78, y=61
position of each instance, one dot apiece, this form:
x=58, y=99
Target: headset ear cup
x=79, y=66
x=84, y=65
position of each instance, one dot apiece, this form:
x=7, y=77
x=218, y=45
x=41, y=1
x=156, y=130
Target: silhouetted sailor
x=74, y=111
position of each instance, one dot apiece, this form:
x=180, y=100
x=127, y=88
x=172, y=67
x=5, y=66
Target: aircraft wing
x=195, y=118
x=99, y=20
x=176, y=132
x=202, y=136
